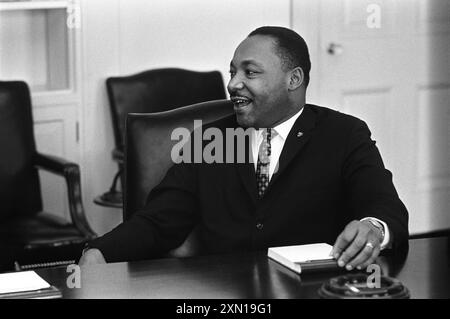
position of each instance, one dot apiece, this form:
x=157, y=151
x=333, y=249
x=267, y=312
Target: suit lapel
x=246, y=172
x=298, y=137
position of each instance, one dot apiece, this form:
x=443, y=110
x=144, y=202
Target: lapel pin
x=299, y=134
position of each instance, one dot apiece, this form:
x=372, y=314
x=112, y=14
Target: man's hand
x=91, y=257
x=358, y=245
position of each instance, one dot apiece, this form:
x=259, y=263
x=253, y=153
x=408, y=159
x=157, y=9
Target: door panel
x=55, y=134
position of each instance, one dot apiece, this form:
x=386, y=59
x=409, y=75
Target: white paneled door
x=387, y=62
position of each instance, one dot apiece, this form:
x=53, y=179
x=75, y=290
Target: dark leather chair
x=30, y=237
x=148, y=154
x=156, y=91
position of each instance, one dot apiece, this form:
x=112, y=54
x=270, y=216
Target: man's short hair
x=291, y=48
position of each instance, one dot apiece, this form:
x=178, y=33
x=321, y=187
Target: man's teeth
x=241, y=101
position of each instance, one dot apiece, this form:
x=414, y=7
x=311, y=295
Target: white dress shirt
x=279, y=136
x=276, y=143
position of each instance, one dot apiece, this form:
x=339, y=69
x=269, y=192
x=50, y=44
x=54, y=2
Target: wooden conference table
x=424, y=269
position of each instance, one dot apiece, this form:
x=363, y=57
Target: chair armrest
x=118, y=155
x=54, y=164
x=71, y=173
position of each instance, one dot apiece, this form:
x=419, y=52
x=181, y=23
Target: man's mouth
x=240, y=101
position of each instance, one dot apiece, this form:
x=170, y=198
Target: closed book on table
x=304, y=258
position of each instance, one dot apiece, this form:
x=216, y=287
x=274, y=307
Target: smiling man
x=268, y=81
x=316, y=175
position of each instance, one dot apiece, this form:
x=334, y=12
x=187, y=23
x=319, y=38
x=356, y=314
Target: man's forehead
x=254, y=50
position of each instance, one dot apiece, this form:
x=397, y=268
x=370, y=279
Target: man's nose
x=235, y=84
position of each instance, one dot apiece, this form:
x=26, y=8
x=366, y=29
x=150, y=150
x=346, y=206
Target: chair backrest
x=159, y=90
x=19, y=182
x=148, y=152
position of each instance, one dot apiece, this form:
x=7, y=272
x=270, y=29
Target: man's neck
x=287, y=116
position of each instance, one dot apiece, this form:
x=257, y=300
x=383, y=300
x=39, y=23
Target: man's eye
x=250, y=72
x=232, y=73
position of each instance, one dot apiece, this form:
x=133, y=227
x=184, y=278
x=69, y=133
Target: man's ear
x=296, y=78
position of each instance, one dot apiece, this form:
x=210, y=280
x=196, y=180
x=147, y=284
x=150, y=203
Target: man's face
x=258, y=86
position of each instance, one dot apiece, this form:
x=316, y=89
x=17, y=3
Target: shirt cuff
x=387, y=237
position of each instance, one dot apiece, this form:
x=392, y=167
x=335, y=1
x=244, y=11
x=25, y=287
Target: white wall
x=197, y=34
x=100, y=56
x=122, y=37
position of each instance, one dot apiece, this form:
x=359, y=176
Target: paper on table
x=21, y=281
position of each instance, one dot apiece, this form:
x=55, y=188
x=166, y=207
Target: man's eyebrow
x=246, y=63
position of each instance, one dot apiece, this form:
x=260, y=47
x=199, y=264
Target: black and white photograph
x=225, y=157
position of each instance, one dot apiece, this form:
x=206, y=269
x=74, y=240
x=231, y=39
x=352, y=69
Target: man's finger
x=365, y=254
x=372, y=259
x=354, y=248
x=344, y=239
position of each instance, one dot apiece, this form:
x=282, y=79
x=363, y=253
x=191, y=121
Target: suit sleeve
x=163, y=224
x=369, y=188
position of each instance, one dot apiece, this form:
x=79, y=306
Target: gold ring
x=370, y=245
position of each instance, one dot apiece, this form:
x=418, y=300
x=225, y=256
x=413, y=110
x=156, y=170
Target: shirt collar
x=281, y=129
x=284, y=128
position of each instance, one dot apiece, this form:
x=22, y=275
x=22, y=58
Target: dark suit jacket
x=328, y=176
